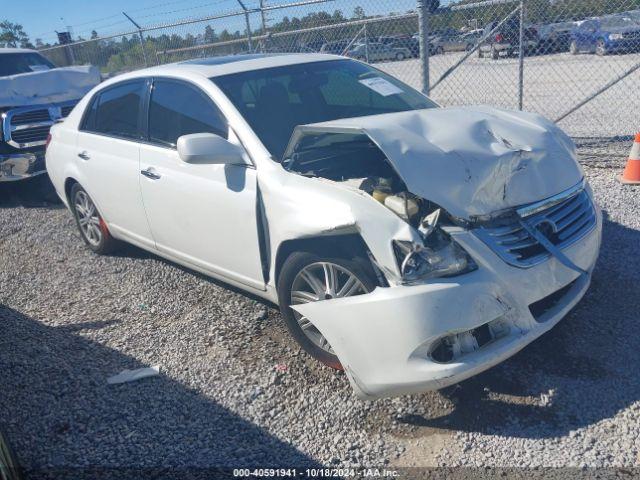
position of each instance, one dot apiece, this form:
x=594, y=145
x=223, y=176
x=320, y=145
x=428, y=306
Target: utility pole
x=144, y=55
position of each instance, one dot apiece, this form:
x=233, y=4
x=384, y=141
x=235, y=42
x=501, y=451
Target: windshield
x=276, y=100
x=616, y=22
x=15, y=63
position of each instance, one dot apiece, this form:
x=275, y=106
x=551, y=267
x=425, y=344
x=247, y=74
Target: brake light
x=46, y=144
x=499, y=38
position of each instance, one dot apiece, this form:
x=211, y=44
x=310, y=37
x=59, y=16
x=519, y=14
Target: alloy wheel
x=322, y=281
x=88, y=218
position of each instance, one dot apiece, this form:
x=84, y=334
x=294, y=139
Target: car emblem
x=546, y=227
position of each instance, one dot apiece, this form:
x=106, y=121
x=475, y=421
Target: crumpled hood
x=47, y=86
x=472, y=161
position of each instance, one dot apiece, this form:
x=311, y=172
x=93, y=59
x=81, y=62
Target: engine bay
x=354, y=159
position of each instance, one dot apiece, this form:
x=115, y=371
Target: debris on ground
x=133, y=375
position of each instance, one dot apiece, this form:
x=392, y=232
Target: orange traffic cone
x=631, y=175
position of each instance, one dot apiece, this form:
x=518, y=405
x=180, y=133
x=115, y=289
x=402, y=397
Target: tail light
x=46, y=144
x=499, y=38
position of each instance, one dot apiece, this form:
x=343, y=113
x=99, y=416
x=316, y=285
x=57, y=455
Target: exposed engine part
x=402, y=205
x=382, y=189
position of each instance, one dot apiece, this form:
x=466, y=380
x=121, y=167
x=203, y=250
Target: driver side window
x=177, y=109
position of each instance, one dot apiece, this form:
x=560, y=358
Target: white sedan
x=411, y=245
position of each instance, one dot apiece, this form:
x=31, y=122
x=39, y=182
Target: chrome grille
x=631, y=35
x=41, y=115
x=26, y=127
x=31, y=135
x=563, y=220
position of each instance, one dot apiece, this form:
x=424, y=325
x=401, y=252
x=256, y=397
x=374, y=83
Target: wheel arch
x=68, y=185
x=350, y=245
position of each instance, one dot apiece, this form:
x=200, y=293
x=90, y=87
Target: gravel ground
x=235, y=391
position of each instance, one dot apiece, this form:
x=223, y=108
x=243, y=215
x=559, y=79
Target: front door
x=202, y=215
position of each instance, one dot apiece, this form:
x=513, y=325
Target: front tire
x=399, y=56
x=90, y=223
x=573, y=48
x=310, y=277
x=601, y=47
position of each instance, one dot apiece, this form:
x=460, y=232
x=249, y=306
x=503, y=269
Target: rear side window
x=116, y=111
x=178, y=109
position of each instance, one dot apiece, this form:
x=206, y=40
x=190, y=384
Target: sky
x=41, y=18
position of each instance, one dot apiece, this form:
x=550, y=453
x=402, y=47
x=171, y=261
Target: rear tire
x=495, y=53
x=439, y=51
x=90, y=223
x=601, y=47
x=292, y=287
x=399, y=56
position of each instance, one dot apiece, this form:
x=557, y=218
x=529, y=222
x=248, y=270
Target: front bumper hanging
x=387, y=340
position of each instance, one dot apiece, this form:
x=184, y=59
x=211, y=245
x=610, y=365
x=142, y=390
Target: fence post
x=366, y=43
x=423, y=25
x=521, y=58
x=144, y=55
x=263, y=17
x=246, y=19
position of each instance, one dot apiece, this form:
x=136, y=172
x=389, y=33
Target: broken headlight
x=438, y=256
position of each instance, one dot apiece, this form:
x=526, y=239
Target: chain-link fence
x=576, y=62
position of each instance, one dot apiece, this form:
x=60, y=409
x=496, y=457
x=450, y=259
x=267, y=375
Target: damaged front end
x=504, y=237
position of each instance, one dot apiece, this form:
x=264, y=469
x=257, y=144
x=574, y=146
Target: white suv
x=414, y=246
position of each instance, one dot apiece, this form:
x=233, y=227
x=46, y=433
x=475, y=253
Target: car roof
x=16, y=50
x=218, y=66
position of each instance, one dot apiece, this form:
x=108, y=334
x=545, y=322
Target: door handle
x=150, y=173
x=84, y=155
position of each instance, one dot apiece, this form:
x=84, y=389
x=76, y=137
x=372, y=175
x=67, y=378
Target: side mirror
x=209, y=148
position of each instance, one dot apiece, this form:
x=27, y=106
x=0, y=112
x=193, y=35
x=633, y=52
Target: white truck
x=34, y=94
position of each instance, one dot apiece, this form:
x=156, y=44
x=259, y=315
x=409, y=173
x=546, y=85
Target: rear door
x=202, y=215
x=108, y=156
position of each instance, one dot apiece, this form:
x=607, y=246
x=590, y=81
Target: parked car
x=443, y=32
x=336, y=48
x=390, y=39
x=554, y=37
x=612, y=34
x=402, y=242
x=315, y=45
x=456, y=43
x=409, y=43
x=378, y=52
x=34, y=93
x=506, y=41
